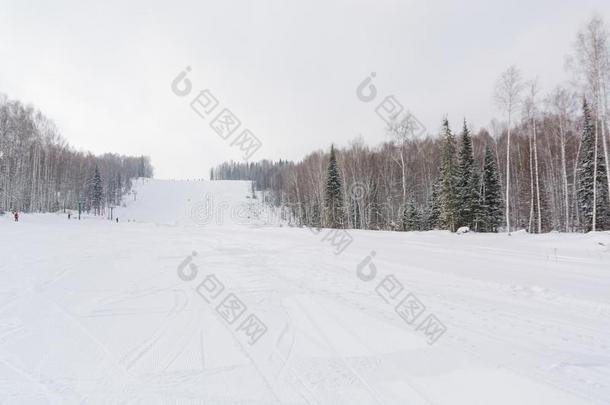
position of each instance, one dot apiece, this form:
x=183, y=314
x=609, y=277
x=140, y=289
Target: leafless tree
x=562, y=105
x=507, y=96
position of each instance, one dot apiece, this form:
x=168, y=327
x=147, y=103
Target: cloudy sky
x=287, y=69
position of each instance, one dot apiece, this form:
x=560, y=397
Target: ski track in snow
x=93, y=312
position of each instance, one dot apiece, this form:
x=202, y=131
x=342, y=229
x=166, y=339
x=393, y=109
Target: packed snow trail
x=99, y=312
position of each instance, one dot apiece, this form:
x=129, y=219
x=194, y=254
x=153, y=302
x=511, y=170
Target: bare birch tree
x=507, y=96
x=562, y=104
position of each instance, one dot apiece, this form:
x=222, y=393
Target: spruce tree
x=315, y=218
x=333, y=197
x=433, y=210
x=97, y=192
x=588, y=174
x=119, y=189
x=142, y=167
x=467, y=182
x=490, y=201
x=448, y=197
x=411, y=220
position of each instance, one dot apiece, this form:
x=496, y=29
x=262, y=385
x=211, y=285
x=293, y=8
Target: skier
x=69, y=214
x=16, y=214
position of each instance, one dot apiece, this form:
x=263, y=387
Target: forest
x=40, y=172
x=542, y=166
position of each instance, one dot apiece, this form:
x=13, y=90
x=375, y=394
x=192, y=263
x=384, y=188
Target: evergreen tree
x=588, y=174
x=316, y=217
x=434, y=210
x=467, y=183
x=333, y=196
x=142, y=167
x=411, y=219
x=448, y=198
x=97, y=192
x=490, y=202
x=119, y=189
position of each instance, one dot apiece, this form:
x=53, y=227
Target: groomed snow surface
x=99, y=312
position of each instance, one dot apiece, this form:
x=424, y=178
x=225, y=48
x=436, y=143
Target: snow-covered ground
x=197, y=300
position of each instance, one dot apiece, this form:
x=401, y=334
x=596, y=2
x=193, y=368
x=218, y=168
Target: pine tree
x=97, y=192
x=411, y=219
x=467, y=182
x=448, y=198
x=593, y=188
x=333, y=197
x=490, y=200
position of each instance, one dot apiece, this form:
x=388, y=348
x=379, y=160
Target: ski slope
x=100, y=312
x=192, y=203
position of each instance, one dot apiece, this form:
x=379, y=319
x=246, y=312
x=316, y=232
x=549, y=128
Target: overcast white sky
x=287, y=69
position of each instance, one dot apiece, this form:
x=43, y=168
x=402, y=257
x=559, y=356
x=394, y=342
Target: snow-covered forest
x=40, y=172
x=556, y=143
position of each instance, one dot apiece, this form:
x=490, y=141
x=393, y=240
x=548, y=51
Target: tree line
x=40, y=172
x=543, y=167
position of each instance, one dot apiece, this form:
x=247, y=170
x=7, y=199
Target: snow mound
x=462, y=230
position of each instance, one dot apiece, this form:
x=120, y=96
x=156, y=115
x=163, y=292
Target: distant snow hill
x=194, y=203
